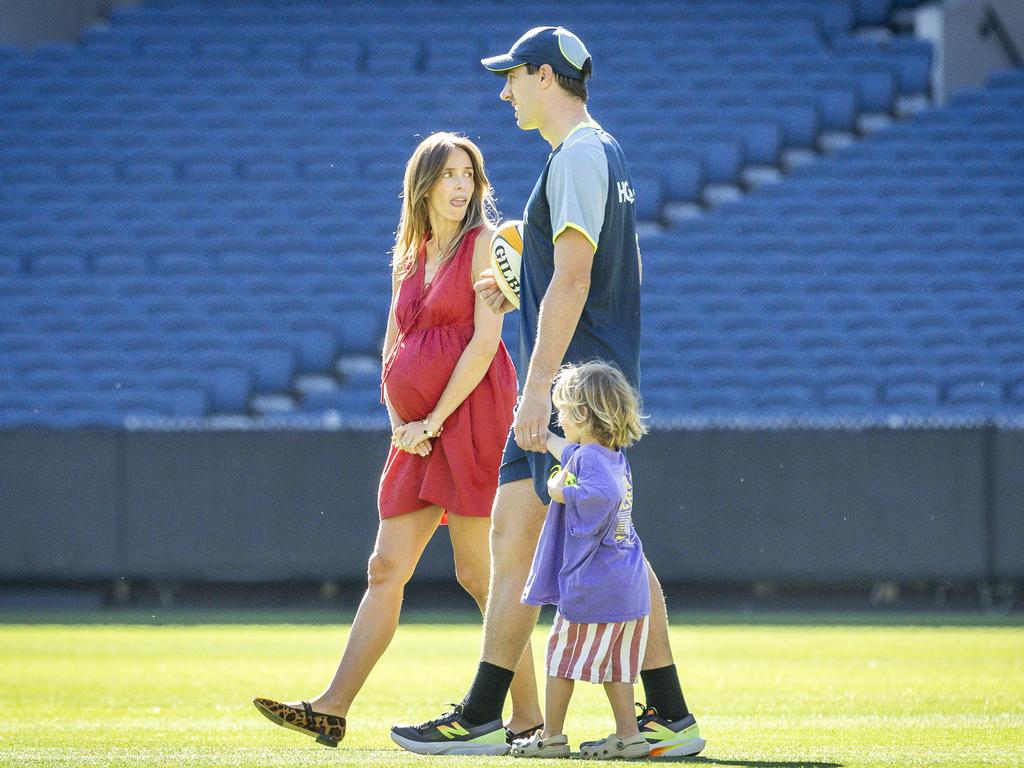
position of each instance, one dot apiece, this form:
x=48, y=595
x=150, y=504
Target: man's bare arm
x=560, y=311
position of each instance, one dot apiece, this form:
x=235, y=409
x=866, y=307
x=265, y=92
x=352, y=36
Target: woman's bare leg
x=400, y=544
x=470, y=540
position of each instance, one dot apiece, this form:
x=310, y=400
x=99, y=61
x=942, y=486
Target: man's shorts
x=517, y=464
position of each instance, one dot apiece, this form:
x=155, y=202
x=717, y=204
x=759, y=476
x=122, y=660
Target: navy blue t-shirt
x=585, y=186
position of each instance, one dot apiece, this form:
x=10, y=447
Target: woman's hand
x=413, y=438
x=487, y=289
x=410, y=439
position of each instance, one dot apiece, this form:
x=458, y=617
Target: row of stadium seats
x=175, y=64
x=966, y=400
x=832, y=16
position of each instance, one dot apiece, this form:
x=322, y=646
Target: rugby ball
x=507, y=258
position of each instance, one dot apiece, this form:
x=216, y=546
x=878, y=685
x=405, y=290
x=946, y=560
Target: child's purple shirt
x=589, y=560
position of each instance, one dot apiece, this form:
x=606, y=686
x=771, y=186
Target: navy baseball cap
x=556, y=46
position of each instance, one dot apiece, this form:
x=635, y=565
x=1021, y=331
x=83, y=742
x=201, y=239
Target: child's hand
x=555, y=486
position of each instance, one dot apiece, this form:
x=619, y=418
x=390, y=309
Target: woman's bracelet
x=427, y=432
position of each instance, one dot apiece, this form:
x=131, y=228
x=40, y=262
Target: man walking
x=579, y=300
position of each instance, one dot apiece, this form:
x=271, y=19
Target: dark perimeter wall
x=811, y=505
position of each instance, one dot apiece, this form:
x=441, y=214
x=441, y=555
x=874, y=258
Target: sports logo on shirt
x=624, y=517
x=626, y=193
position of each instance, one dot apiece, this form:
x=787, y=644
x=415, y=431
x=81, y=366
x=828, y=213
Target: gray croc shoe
x=535, y=746
x=614, y=748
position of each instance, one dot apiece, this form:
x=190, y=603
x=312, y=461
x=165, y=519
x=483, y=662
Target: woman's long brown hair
x=422, y=172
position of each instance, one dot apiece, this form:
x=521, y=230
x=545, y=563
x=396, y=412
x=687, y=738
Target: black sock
x=661, y=686
x=486, y=696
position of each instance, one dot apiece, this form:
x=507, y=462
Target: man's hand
x=487, y=289
x=532, y=418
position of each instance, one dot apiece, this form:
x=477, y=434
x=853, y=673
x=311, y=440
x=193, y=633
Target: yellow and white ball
x=507, y=258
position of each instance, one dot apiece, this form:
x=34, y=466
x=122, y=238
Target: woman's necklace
x=437, y=258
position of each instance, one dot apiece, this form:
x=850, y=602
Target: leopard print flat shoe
x=326, y=729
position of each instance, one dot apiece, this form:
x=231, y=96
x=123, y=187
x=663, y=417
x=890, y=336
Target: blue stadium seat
x=230, y=388
x=340, y=61
x=1017, y=392
x=180, y=264
x=275, y=361
x=874, y=12
x=791, y=397
x=800, y=115
x=269, y=170
x=117, y=264
x=914, y=62
x=215, y=49
x=10, y=54
x=359, y=331
x=278, y=49
x=52, y=265
x=399, y=57
x=649, y=192
x=207, y=170
x=973, y=393
x=839, y=99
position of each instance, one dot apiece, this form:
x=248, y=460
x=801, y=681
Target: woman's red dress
x=435, y=324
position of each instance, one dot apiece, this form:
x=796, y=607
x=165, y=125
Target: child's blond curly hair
x=597, y=395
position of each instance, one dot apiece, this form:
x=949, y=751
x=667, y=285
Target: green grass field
x=769, y=692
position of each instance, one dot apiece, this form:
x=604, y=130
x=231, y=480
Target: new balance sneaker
x=677, y=738
x=451, y=735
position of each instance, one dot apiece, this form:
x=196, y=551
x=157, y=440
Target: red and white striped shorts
x=597, y=653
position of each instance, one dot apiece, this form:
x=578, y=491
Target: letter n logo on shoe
x=453, y=730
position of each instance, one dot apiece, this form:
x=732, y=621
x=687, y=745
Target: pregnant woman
x=450, y=389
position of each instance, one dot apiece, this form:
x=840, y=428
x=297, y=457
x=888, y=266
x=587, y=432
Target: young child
x=590, y=563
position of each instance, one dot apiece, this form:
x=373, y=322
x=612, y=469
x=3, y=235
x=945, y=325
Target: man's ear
x=547, y=75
